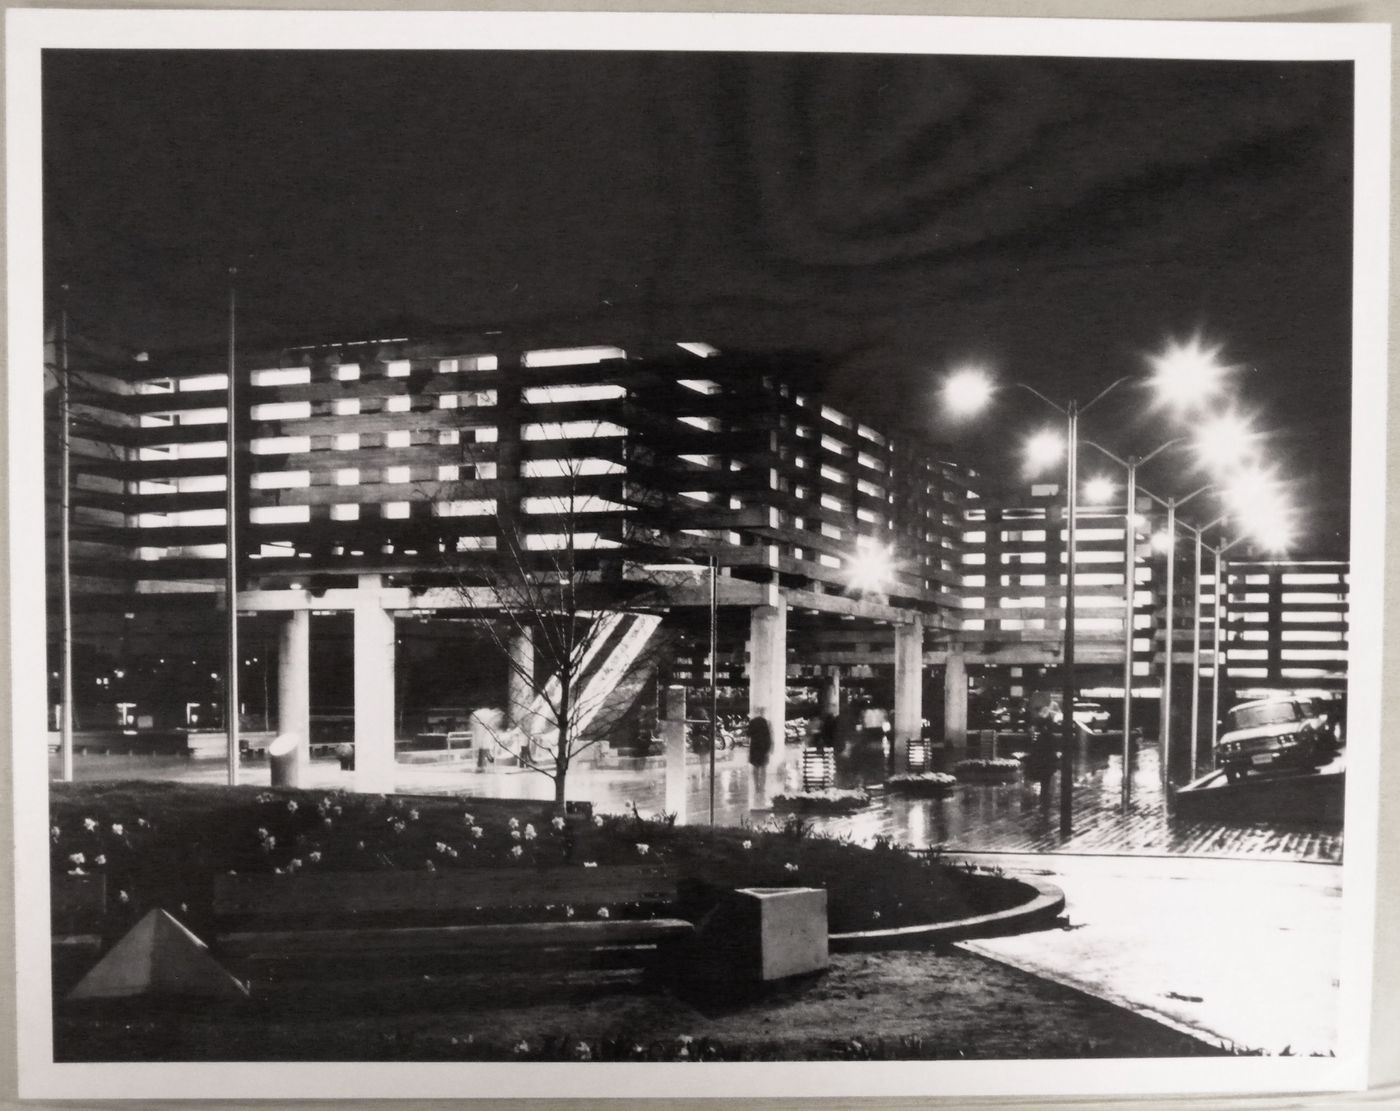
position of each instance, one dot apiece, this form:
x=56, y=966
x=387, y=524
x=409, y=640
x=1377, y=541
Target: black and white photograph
x=618, y=541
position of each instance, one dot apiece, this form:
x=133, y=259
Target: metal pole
x=1165, y=729
x=65, y=417
x=231, y=541
x=1196, y=660
x=714, y=689
x=1071, y=510
x=1216, y=669
x=1129, y=597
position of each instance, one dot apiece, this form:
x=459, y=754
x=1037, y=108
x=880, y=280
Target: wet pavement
x=1227, y=929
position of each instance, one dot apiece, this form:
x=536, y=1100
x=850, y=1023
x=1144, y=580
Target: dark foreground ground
x=910, y=1005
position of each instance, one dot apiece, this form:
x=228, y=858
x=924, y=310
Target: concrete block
x=762, y=934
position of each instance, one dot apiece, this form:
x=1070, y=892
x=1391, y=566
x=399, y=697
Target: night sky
x=1055, y=220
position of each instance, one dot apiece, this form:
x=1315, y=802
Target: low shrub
x=829, y=800
x=921, y=783
x=1000, y=769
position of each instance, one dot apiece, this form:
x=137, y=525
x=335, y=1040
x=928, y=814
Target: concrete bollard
x=284, y=754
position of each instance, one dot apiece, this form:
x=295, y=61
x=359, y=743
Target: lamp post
x=231, y=540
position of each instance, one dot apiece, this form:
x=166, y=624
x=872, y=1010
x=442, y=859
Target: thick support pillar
x=955, y=698
x=831, y=692
x=768, y=679
x=374, y=689
x=673, y=733
x=521, y=683
x=294, y=683
x=908, y=689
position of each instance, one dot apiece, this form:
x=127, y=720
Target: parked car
x=1274, y=733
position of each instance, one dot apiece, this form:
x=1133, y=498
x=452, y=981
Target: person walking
x=760, y=748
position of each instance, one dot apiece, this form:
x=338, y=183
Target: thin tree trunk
x=561, y=758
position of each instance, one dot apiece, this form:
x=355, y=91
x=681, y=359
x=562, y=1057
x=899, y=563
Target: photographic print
x=620, y=542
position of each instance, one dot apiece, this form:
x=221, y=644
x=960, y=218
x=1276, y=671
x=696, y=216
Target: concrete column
x=908, y=689
x=294, y=682
x=955, y=697
x=831, y=692
x=673, y=733
x=768, y=679
x=520, y=682
x=374, y=689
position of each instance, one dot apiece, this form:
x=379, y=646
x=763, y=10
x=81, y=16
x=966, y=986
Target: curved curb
x=1035, y=913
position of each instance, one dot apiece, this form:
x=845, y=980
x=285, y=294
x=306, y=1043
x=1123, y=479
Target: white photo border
x=29, y=31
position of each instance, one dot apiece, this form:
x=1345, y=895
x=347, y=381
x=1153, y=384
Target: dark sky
x=1054, y=219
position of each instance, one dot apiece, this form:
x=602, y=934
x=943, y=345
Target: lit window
x=349, y=512
x=279, y=514
x=485, y=436
x=281, y=480
x=347, y=441
x=450, y=437
x=279, y=445
x=396, y=475
x=399, y=368
x=282, y=376
x=346, y=406
x=395, y=510
x=347, y=372
x=347, y=476
x=282, y=410
x=397, y=439
x=447, y=401
x=401, y=404
x=571, y=356
x=478, y=507
x=449, y=472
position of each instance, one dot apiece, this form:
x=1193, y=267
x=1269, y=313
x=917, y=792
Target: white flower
x=790, y=867
x=747, y=845
x=875, y=914
x=413, y=815
x=430, y=865
x=582, y=1052
x=441, y=847
x=76, y=872
x=522, y=1047
x=468, y=819
x=77, y=858
x=89, y=824
x=336, y=811
x=359, y=844
x=530, y=833
x=262, y=834
x=291, y=806
x=514, y=823
x=643, y=849
x=277, y=871
x=100, y=858
x=184, y=908
x=314, y=857
x=117, y=829
x=568, y=912
x=598, y=820
x=557, y=823
x=294, y=864
x=516, y=850
x=141, y=823
x=515, y=835
x=271, y=842
x=590, y=864
x=54, y=833
x=476, y=833
x=326, y=822
x=452, y=853
x=602, y=912
x=123, y=897
x=399, y=827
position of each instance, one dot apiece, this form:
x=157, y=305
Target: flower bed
x=159, y=844
x=1002, y=769
x=829, y=800
x=921, y=784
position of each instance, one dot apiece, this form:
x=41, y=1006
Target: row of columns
x=374, y=648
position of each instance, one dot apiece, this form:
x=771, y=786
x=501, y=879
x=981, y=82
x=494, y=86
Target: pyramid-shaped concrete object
x=158, y=958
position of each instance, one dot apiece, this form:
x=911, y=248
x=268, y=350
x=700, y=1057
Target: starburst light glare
x=967, y=391
x=1186, y=374
x=1225, y=443
x=1044, y=450
x=872, y=567
x=1099, y=490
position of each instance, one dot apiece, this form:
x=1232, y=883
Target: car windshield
x=1270, y=713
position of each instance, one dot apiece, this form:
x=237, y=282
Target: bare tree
x=553, y=579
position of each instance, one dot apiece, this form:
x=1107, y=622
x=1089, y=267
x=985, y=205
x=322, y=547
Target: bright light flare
x=967, y=391
x=1162, y=542
x=872, y=567
x=1186, y=374
x=1044, y=450
x=1100, y=490
x=1225, y=443
x=1256, y=500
